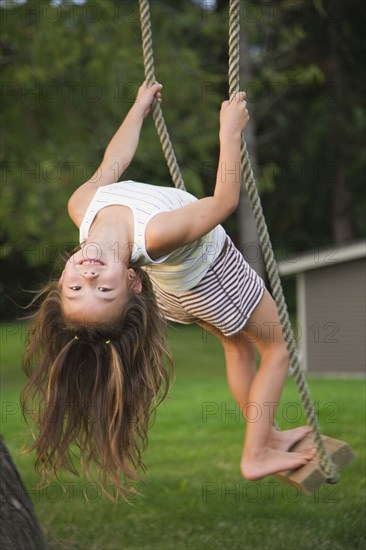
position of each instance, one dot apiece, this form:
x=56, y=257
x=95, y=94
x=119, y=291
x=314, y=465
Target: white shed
x=331, y=308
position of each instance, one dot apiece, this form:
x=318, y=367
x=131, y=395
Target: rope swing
x=326, y=463
x=157, y=113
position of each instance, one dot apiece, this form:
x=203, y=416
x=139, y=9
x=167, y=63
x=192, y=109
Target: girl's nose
x=89, y=274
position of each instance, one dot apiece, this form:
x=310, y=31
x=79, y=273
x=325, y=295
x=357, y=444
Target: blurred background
x=70, y=72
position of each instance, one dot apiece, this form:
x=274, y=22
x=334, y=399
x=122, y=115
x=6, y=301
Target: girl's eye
x=75, y=287
x=103, y=289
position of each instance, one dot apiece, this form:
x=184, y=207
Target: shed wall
x=335, y=318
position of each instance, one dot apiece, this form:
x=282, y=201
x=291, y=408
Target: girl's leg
x=240, y=363
x=259, y=459
x=241, y=370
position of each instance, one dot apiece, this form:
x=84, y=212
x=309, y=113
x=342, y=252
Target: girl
x=98, y=359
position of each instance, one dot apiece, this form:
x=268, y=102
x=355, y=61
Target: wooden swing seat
x=309, y=477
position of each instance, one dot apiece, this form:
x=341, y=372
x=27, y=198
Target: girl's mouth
x=91, y=262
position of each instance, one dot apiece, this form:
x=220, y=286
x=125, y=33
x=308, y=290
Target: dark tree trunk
x=248, y=234
x=19, y=529
x=341, y=212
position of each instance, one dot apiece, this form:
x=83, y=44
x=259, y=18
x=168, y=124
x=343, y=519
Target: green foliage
x=70, y=74
x=307, y=94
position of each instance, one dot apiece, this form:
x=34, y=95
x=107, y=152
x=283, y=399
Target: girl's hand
x=234, y=116
x=146, y=96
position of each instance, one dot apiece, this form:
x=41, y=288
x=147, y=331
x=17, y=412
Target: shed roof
x=326, y=257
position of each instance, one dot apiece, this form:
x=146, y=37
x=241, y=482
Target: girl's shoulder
x=79, y=203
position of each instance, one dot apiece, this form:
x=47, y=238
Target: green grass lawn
x=194, y=495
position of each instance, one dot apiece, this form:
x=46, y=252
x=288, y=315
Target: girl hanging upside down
x=98, y=360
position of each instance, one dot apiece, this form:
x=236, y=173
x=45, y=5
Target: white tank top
x=178, y=271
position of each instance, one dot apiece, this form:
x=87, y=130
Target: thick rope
x=147, y=48
x=326, y=463
x=247, y=173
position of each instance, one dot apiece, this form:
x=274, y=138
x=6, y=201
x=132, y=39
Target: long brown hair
x=96, y=386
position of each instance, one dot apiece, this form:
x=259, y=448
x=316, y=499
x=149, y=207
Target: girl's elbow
x=232, y=206
x=71, y=206
x=227, y=205
x=226, y=210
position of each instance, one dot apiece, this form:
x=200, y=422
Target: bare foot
x=269, y=461
x=283, y=441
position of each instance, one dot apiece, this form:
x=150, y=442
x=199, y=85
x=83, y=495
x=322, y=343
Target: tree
x=19, y=529
x=70, y=72
x=316, y=122
x=248, y=233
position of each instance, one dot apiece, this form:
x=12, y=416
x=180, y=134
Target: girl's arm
x=123, y=145
x=170, y=230
x=119, y=152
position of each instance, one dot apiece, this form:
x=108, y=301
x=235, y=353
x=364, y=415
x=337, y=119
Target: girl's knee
x=282, y=352
x=278, y=353
x=238, y=345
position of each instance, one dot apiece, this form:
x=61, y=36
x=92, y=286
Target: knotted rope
x=148, y=53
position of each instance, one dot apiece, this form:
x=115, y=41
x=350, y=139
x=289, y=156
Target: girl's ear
x=134, y=280
x=61, y=278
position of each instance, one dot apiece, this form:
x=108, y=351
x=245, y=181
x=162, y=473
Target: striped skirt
x=225, y=298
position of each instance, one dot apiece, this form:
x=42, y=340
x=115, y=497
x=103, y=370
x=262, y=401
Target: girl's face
x=95, y=290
